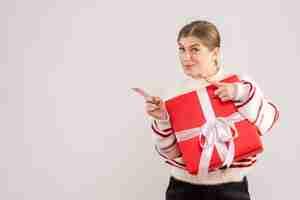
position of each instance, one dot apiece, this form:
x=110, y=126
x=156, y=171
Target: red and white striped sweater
x=251, y=104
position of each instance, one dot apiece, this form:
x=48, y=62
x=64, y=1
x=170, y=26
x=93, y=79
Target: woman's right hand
x=155, y=108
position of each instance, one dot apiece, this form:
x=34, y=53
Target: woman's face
x=196, y=59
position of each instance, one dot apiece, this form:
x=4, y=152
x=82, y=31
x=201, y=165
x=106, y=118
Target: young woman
x=199, y=49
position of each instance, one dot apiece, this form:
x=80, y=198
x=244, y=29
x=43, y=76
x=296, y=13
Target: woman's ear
x=216, y=52
x=214, y=55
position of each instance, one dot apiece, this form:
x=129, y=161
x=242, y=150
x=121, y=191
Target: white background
x=71, y=128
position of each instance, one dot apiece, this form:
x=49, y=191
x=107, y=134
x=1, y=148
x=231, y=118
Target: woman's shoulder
x=240, y=75
x=176, y=88
x=173, y=90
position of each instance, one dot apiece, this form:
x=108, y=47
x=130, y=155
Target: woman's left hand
x=225, y=91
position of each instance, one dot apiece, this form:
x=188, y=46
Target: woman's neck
x=210, y=73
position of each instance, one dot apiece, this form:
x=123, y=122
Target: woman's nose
x=186, y=56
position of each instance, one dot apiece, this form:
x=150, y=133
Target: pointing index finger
x=141, y=92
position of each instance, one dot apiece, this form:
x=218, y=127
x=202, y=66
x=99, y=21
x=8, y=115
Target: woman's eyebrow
x=195, y=45
x=192, y=45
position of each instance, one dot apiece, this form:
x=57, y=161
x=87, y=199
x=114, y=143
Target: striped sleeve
x=165, y=140
x=246, y=162
x=252, y=104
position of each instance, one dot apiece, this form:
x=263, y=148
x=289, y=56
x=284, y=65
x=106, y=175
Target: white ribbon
x=216, y=134
x=217, y=131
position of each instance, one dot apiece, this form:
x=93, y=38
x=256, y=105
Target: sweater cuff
x=163, y=124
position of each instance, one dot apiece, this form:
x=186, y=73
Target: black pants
x=179, y=190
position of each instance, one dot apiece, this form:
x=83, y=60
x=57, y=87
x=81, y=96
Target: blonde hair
x=204, y=31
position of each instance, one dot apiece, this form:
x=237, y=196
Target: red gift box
x=211, y=133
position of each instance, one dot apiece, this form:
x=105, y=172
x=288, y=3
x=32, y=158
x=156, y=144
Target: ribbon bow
x=216, y=133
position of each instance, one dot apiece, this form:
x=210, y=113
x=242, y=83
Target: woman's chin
x=189, y=73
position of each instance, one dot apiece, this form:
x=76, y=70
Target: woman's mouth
x=188, y=66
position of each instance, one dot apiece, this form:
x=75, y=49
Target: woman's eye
x=181, y=49
x=195, y=50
